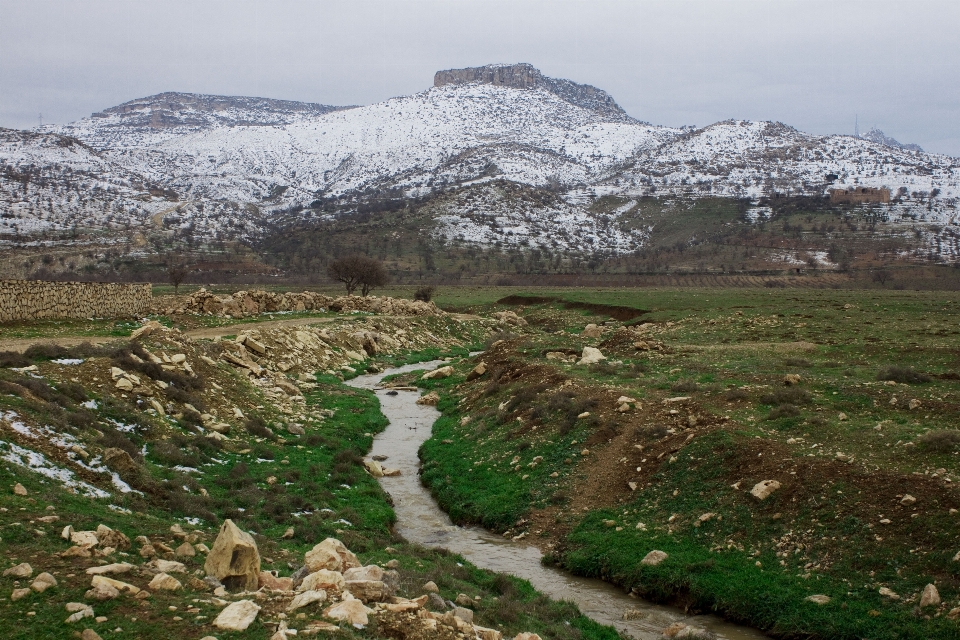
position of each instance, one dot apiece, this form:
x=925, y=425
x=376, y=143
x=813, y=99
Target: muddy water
x=420, y=520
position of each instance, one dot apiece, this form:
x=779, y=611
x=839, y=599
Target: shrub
x=943, y=441
x=167, y=453
x=787, y=395
x=74, y=391
x=783, y=411
x=799, y=363
x=603, y=368
x=905, y=375
x=737, y=394
x=684, y=386
x=424, y=293
x=255, y=426
x=652, y=431
x=264, y=453
x=13, y=359
x=45, y=352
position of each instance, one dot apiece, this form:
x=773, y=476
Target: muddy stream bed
x=420, y=520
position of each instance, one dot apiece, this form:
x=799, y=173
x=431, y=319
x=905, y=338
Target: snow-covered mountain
x=224, y=166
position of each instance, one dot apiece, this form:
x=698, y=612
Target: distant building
x=860, y=195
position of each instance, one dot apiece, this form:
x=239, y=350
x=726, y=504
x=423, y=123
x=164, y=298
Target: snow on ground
x=224, y=168
x=38, y=462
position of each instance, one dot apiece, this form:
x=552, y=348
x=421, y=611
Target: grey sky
x=812, y=64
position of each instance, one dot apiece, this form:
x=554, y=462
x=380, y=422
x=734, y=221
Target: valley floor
x=791, y=453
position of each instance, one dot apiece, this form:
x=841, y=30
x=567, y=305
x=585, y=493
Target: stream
x=420, y=520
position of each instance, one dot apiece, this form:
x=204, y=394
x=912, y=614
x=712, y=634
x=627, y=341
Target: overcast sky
x=812, y=64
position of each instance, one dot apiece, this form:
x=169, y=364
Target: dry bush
x=603, y=368
x=905, y=375
x=787, y=395
x=652, y=431
x=735, y=395
x=798, y=363
x=255, y=426
x=13, y=359
x=684, y=386
x=783, y=411
x=944, y=441
x=424, y=293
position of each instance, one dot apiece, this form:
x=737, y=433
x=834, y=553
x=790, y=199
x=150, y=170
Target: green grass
x=321, y=490
x=743, y=341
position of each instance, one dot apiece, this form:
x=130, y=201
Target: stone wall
x=860, y=195
x=35, y=300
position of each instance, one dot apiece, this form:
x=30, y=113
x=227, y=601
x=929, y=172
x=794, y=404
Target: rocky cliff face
x=526, y=76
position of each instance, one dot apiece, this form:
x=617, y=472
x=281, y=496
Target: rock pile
x=332, y=587
x=246, y=303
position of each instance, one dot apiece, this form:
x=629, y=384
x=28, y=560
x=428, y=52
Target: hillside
x=214, y=169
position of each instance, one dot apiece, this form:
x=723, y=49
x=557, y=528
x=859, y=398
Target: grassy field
x=863, y=443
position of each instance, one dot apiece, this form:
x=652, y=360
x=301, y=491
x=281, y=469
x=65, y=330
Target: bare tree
x=358, y=271
x=882, y=276
x=176, y=273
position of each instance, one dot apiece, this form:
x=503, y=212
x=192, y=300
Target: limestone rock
x=267, y=580
x=818, y=599
x=22, y=570
x=791, y=379
x=368, y=572
x=349, y=611
x=908, y=500
x=117, y=567
x=123, y=587
x=102, y=592
x=119, y=460
x=185, y=550
x=436, y=374
x=888, y=593
x=90, y=634
x=168, y=566
x=366, y=590
x=307, y=598
x=234, y=559
x=84, y=538
x=464, y=614
x=930, y=597
x=323, y=579
x=591, y=355
x=764, y=488
x=509, y=317
x=431, y=587
x=654, y=558
x=43, y=582
x=477, y=372
x=164, y=582
x=463, y=600
x=330, y=554
x=19, y=490
x=237, y=616
x=19, y=594
x=112, y=538
x=430, y=399
x=592, y=331
x=374, y=468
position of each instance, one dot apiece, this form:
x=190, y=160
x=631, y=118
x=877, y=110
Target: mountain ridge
x=235, y=164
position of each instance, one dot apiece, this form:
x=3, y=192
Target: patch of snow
x=38, y=462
